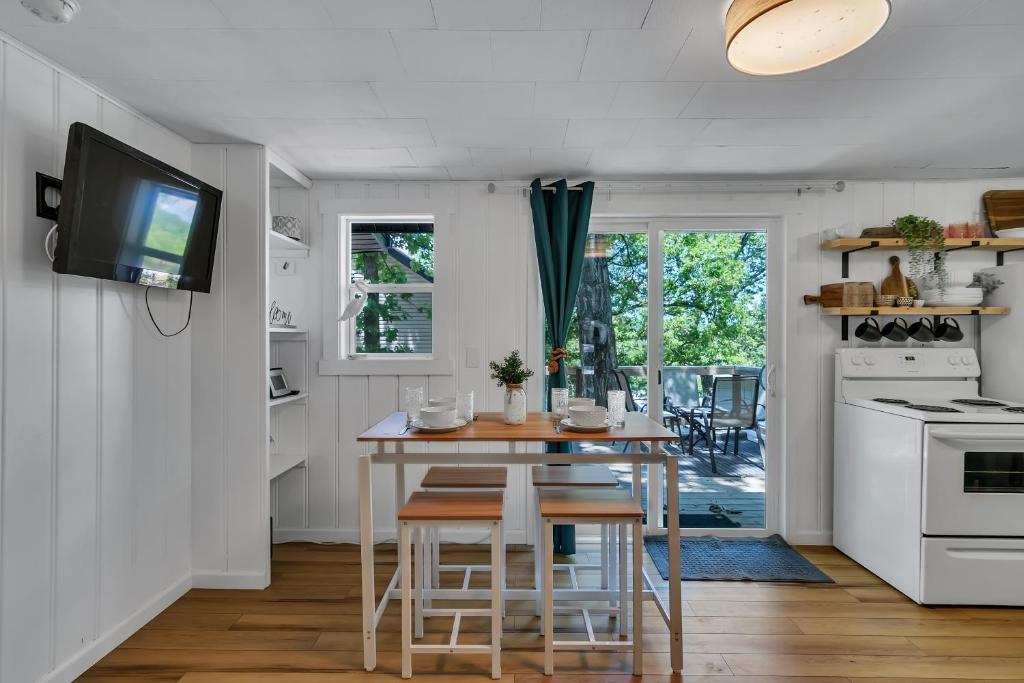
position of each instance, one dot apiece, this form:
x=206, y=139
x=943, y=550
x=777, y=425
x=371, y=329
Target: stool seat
x=576, y=475
x=453, y=506
x=438, y=477
x=588, y=504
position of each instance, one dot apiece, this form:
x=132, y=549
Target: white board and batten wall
x=95, y=462
x=497, y=308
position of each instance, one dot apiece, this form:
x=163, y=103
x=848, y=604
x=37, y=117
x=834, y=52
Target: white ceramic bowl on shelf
x=588, y=416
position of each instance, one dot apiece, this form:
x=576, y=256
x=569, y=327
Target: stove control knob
x=869, y=361
x=953, y=360
x=966, y=360
x=857, y=360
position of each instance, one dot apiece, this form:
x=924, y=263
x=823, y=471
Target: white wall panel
x=496, y=308
x=93, y=529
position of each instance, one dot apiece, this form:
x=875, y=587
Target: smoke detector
x=52, y=11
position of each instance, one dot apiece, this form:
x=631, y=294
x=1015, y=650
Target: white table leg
x=366, y=560
x=399, y=484
x=675, y=585
x=405, y=567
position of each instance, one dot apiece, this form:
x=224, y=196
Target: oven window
x=993, y=472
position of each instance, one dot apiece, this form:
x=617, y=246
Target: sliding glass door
x=679, y=313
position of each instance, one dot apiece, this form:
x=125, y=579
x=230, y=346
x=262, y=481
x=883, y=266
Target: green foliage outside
x=714, y=298
x=375, y=331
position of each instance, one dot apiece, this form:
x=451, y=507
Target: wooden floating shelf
x=288, y=399
x=279, y=464
x=924, y=310
x=987, y=243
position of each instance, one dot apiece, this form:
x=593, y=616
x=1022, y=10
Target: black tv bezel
x=80, y=136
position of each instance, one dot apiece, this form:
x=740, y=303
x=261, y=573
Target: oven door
x=973, y=480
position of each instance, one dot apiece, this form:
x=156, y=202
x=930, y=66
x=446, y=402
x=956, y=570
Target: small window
x=393, y=261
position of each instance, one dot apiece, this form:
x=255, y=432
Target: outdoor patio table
x=539, y=428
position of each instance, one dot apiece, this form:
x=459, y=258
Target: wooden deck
x=305, y=629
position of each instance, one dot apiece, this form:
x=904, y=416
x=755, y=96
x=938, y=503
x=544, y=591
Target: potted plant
x=926, y=244
x=512, y=374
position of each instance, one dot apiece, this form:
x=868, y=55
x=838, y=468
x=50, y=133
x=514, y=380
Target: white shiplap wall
x=94, y=470
x=497, y=309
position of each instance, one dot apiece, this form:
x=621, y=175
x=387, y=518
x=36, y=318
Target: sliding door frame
x=774, y=228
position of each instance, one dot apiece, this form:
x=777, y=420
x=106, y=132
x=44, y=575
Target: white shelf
x=285, y=245
x=288, y=399
x=288, y=331
x=279, y=464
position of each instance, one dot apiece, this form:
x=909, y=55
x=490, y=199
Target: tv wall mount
x=47, y=196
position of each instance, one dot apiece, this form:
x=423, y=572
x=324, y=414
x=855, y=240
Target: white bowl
x=1010, y=232
x=445, y=402
x=588, y=416
x=580, y=401
x=437, y=416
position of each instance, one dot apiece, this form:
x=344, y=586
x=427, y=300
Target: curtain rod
x=712, y=186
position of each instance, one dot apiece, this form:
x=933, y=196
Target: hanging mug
x=868, y=330
x=896, y=330
x=949, y=330
x=922, y=330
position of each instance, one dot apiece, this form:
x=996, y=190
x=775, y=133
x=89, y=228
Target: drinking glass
x=413, y=402
x=560, y=402
x=616, y=408
x=464, y=406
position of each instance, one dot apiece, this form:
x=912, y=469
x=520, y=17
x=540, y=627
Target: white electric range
x=929, y=476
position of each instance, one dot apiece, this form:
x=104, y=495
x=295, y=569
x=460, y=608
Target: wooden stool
x=594, y=506
x=442, y=478
x=434, y=509
x=550, y=477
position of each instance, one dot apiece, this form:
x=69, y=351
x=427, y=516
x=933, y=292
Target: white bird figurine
x=355, y=305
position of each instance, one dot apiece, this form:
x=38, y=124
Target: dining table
x=389, y=438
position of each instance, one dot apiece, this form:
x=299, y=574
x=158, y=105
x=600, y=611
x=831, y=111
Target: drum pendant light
x=773, y=37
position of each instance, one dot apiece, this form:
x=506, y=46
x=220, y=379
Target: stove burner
x=980, y=402
x=892, y=401
x=1014, y=409
x=933, y=409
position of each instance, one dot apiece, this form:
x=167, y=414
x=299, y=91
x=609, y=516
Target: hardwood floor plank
x=216, y=621
x=183, y=639
x=866, y=610
x=724, y=643
x=970, y=647
x=911, y=627
x=867, y=666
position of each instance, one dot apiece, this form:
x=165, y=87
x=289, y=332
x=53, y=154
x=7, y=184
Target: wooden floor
x=305, y=629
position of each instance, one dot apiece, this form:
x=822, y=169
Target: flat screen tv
x=128, y=217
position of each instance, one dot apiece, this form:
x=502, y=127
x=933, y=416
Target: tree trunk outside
x=596, y=333
x=371, y=320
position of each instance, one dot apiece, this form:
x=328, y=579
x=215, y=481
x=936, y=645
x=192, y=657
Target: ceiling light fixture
x=773, y=37
x=53, y=11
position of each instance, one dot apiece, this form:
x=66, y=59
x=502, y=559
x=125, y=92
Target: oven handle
x=950, y=435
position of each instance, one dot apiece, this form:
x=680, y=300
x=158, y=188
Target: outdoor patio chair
x=733, y=407
x=670, y=419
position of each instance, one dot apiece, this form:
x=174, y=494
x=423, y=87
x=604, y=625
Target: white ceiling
x=512, y=89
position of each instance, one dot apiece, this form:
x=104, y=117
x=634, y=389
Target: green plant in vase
x=511, y=373
x=926, y=244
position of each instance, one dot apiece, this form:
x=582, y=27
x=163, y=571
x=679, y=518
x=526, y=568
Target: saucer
x=426, y=429
x=571, y=426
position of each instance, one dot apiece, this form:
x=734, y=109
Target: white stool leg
x=604, y=557
x=613, y=562
x=501, y=569
x=538, y=561
x=623, y=598
x=405, y=567
x=435, y=568
x=549, y=602
x=418, y=585
x=497, y=541
x=638, y=599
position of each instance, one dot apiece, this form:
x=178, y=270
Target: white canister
x=515, y=404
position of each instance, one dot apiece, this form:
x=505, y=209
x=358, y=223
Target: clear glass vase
x=515, y=404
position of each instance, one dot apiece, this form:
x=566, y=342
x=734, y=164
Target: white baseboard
x=102, y=646
x=284, y=535
x=230, y=580
x=810, y=538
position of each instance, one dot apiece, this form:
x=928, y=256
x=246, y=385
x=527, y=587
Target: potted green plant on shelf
x=926, y=244
x=512, y=374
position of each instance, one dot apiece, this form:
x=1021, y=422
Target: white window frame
x=338, y=216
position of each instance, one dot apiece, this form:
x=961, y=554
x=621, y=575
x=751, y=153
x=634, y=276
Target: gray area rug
x=711, y=558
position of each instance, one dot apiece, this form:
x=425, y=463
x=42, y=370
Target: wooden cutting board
x=1005, y=209
x=897, y=282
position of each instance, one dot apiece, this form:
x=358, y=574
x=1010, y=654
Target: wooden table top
x=538, y=427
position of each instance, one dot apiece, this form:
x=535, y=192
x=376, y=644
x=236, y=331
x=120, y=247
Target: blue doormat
x=711, y=558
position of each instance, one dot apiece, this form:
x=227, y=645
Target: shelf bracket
x=846, y=257
x=999, y=254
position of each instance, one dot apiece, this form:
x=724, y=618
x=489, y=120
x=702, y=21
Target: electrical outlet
x=284, y=267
